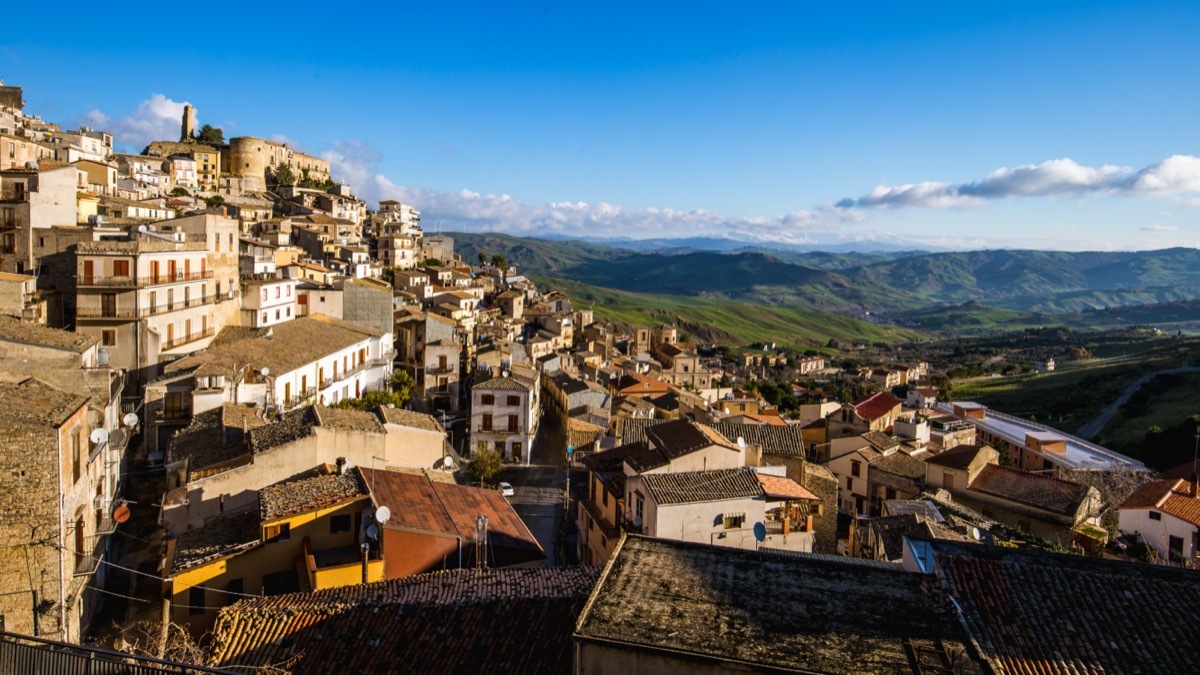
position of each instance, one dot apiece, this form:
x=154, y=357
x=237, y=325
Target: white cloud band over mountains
x=357, y=164
x=1054, y=178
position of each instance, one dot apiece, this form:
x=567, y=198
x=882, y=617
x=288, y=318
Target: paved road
x=1089, y=430
x=539, y=503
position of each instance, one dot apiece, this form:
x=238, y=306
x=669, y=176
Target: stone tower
x=189, y=124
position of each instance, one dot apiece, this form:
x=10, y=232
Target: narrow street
x=540, y=492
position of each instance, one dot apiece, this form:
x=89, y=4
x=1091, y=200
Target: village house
x=306, y=534
x=876, y=412
x=1036, y=447
x=833, y=615
x=266, y=302
x=218, y=463
x=1037, y=503
x=438, y=524
x=1165, y=516
x=723, y=507
x=527, y=616
x=669, y=447
x=505, y=413
x=58, y=483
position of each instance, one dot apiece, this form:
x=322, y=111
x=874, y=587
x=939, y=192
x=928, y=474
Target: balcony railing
x=142, y=282
x=88, y=559
x=180, y=341
x=25, y=654
x=11, y=195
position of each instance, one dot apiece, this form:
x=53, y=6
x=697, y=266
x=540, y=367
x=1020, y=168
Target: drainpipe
x=460, y=551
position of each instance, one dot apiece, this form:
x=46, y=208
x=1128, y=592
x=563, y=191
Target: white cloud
x=1057, y=177
x=1160, y=228
x=157, y=118
x=356, y=163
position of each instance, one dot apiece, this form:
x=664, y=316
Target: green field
x=1163, y=402
x=726, y=322
x=1076, y=392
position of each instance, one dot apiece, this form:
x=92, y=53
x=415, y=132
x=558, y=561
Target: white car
x=506, y=489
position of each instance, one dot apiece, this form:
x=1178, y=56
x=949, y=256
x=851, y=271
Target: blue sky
x=1021, y=125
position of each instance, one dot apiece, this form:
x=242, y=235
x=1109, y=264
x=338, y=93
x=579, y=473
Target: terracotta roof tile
x=687, y=487
x=1173, y=497
x=1034, y=489
x=779, y=487
x=876, y=405
x=519, y=621
x=1032, y=612
x=309, y=494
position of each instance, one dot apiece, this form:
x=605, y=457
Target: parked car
x=506, y=489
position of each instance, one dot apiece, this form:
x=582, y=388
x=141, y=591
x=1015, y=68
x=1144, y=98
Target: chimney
x=1194, y=486
x=341, y=466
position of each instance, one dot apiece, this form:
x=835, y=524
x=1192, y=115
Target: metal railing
x=180, y=341
x=27, y=654
x=141, y=282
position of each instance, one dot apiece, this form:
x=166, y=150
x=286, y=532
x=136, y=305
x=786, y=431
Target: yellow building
x=305, y=535
x=89, y=206
x=208, y=165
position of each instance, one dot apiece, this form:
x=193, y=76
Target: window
x=947, y=480
x=487, y=422
x=734, y=521
x=849, y=483
x=515, y=449
x=488, y=399
x=512, y=423
x=281, y=532
x=605, y=497
x=339, y=523
x=236, y=588
x=856, y=469
x=76, y=445
x=514, y=400
x=108, y=338
x=1155, y=515
x=195, y=600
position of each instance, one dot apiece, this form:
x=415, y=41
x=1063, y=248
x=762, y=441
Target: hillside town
x=253, y=423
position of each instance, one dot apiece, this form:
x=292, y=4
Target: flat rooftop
x=1079, y=454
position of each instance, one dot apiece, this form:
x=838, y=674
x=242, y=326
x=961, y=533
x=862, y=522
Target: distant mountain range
x=884, y=283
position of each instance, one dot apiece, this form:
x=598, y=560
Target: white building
x=1165, y=515
x=504, y=416
x=267, y=302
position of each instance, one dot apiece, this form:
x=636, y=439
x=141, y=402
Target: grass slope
x=725, y=322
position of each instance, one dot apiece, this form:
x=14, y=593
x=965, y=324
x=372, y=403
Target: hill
x=1045, y=282
x=730, y=323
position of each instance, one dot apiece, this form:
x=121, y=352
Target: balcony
x=597, y=515
x=87, y=558
x=180, y=341
x=12, y=195
x=143, y=282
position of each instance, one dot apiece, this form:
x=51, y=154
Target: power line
x=152, y=576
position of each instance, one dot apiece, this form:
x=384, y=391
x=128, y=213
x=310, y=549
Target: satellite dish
x=121, y=514
x=141, y=228
x=448, y=462
x=130, y=419
x=372, y=532
x=760, y=531
x=265, y=371
x=99, y=436
x=975, y=533
x=382, y=514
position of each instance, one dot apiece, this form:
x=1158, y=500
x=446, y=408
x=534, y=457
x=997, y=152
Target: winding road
x=1089, y=430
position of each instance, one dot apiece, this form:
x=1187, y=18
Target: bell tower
x=189, y=124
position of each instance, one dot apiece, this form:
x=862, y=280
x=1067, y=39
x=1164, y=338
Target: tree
x=483, y=258
x=214, y=201
x=402, y=385
x=501, y=264
x=211, y=135
x=283, y=175
x=179, y=192
x=486, y=464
